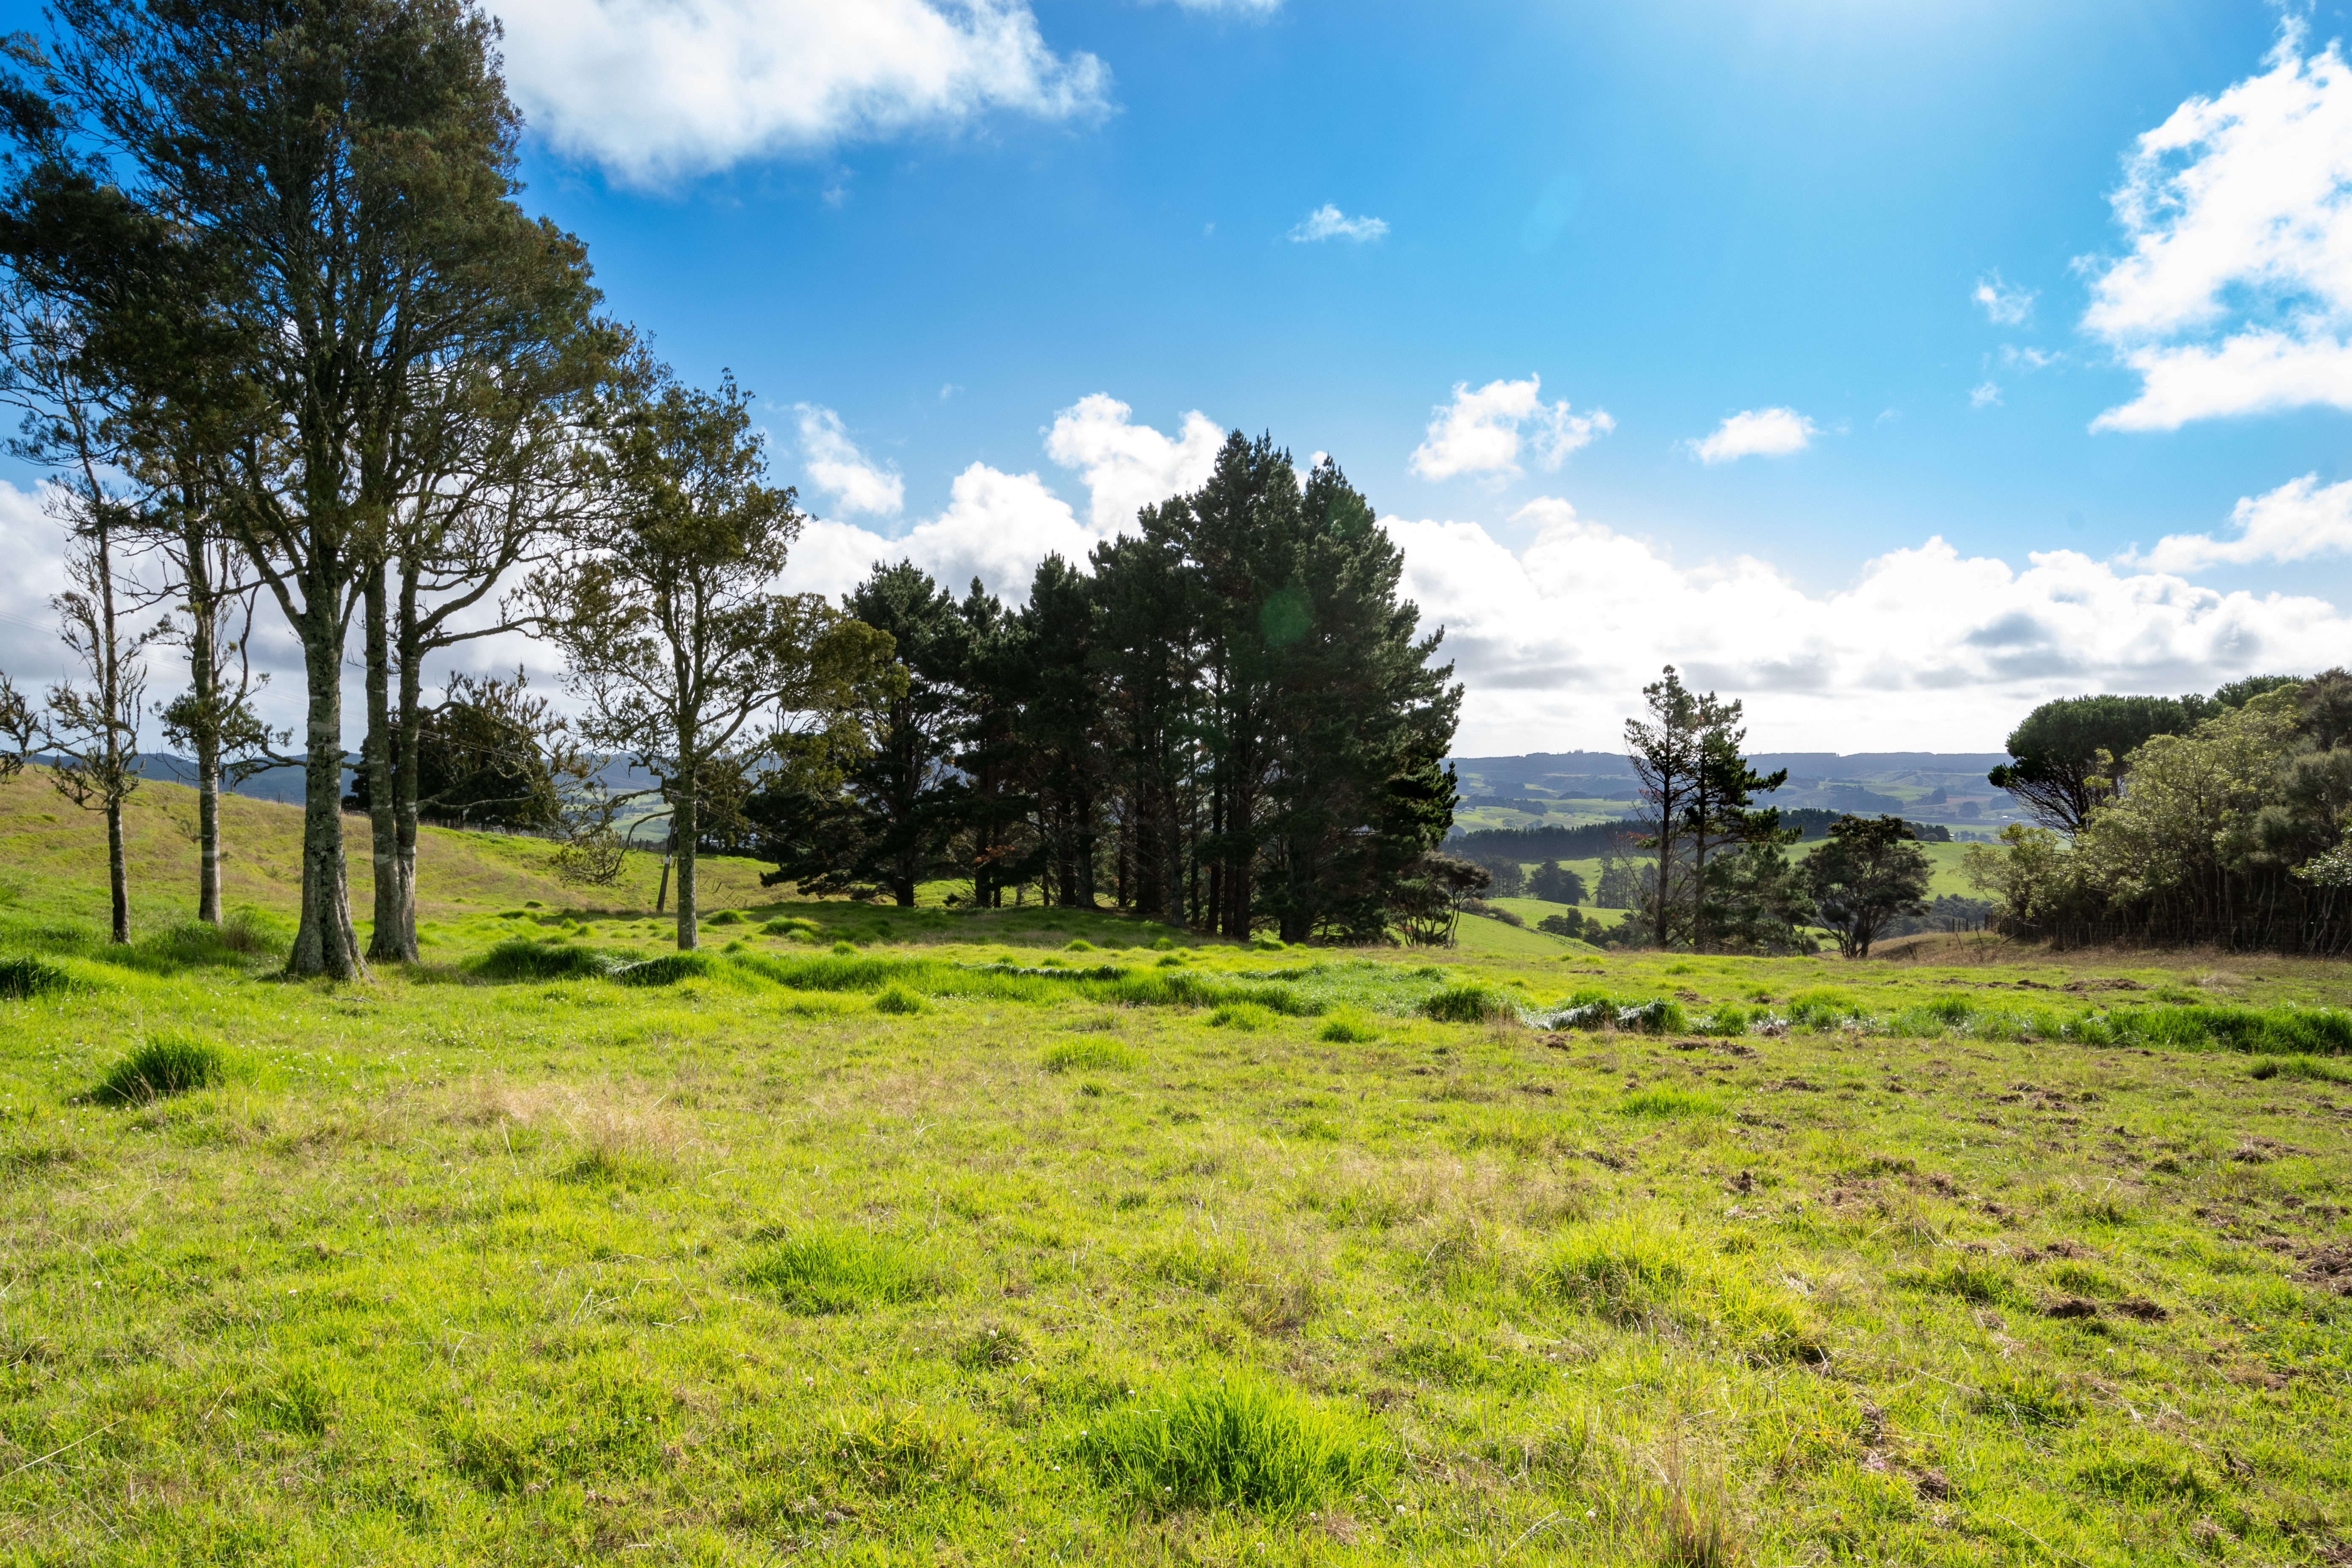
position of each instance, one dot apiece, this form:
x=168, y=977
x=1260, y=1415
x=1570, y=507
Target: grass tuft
x=1090, y=1055
x=1465, y=1005
x=163, y=1065
x=519, y=959
x=827, y=1271
x=2311, y=1068
x=1237, y=1442
x=895, y=998
x=1347, y=1029
x=26, y=976
x=668, y=970
x=1669, y=1101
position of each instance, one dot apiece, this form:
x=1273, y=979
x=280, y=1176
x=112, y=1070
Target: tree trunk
x=117, y=876
x=688, y=828
x=375, y=755
x=407, y=731
x=325, y=943
x=204, y=677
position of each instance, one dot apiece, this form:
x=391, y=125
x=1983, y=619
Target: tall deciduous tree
x=329, y=186
x=685, y=661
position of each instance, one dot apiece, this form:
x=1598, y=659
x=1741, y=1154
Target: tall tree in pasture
x=1061, y=724
x=214, y=719
x=1354, y=704
x=1723, y=816
x=996, y=844
x=330, y=185
x=909, y=794
x=1146, y=667
x=1868, y=873
x=500, y=490
x=90, y=724
x=1239, y=532
x=684, y=659
x=1668, y=752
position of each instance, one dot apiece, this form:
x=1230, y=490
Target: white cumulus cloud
x=1327, y=222
x=1925, y=650
x=1129, y=466
x=2236, y=297
x=2003, y=304
x=655, y=90
x=836, y=467
x=1756, y=433
x=2299, y=520
x=1480, y=432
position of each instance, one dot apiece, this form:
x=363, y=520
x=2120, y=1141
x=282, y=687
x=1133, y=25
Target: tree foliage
x=1867, y=874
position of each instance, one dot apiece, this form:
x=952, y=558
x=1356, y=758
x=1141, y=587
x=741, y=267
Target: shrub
x=668, y=970
x=822, y=1272
x=30, y=976
x=897, y=999
x=1089, y=1056
x=519, y=959
x=1238, y=1442
x=162, y=1065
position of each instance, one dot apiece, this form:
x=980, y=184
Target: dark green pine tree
x=1146, y=669
x=910, y=796
x=1059, y=727
x=997, y=842
x=1356, y=713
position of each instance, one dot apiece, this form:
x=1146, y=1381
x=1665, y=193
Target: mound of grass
x=1077, y=945
x=1237, y=1442
x=725, y=918
x=826, y=1272
x=1347, y=1029
x=1090, y=1055
x=1619, y=1270
x=790, y=925
x=26, y=975
x=1464, y=1004
x=1248, y=1017
x=163, y=1065
x=518, y=958
x=2300, y=1066
x=897, y=999
x=668, y=970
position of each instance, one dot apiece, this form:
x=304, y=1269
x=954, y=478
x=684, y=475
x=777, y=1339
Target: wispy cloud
x=1756, y=432
x=2003, y=305
x=2236, y=297
x=1984, y=395
x=1481, y=432
x=1327, y=222
x=655, y=92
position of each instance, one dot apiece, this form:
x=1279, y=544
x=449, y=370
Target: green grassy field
x=943, y=1236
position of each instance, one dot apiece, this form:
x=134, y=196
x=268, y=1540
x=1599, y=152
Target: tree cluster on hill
x=1230, y=721
x=2166, y=820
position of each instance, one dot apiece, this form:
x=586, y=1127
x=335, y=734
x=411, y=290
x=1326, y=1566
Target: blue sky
x=945, y=242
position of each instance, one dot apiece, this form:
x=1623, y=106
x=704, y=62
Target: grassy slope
x=734, y=1271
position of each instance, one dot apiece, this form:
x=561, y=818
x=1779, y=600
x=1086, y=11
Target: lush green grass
x=919, y=1236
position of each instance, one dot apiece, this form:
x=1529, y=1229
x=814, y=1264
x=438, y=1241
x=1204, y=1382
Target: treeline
x=2169, y=820
x=1599, y=840
x=1230, y=721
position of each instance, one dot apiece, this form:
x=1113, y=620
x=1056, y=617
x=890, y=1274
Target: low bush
x=163, y=1065
x=1237, y=1442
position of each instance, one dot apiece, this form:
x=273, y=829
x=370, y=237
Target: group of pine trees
x=284, y=336
x=1228, y=720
